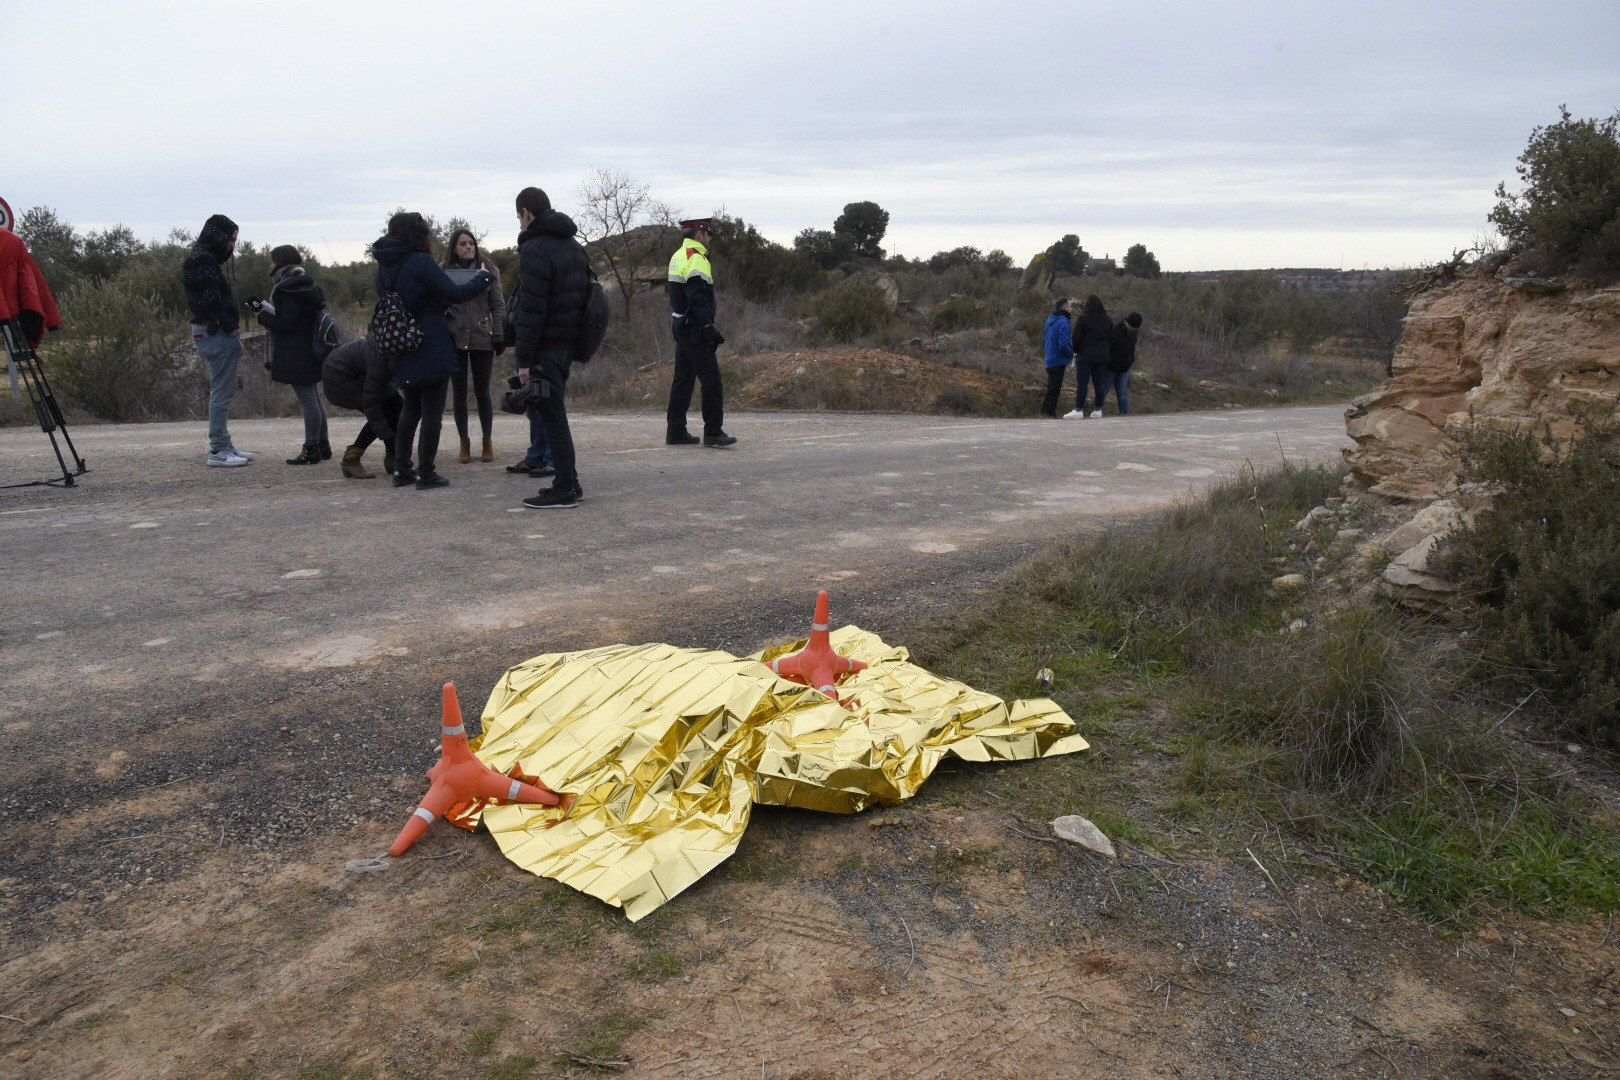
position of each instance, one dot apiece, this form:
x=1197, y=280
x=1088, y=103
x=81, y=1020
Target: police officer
x=691, y=308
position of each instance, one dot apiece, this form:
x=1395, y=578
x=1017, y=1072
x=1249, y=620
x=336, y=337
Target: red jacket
x=23, y=289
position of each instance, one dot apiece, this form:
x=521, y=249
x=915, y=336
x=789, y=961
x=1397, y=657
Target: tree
x=998, y=262
x=942, y=261
x=55, y=245
x=825, y=249
x=861, y=226
x=1067, y=256
x=1569, y=211
x=1140, y=262
x=623, y=223
x=106, y=252
x=760, y=268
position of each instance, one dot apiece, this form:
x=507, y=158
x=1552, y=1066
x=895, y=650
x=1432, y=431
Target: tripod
x=26, y=361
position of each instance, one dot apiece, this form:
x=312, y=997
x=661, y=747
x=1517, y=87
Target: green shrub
x=1568, y=215
x=961, y=313
x=1545, y=562
x=851, y=311
x=123, y=359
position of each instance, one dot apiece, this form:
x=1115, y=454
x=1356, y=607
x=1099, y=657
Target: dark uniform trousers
x=695, y=360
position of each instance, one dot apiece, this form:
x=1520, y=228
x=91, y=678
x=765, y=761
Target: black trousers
x=424, y=404
x=1054, y=387
x=695, y=362
x=552, y=406
x=482, y=362
x=1100, y=378
x=392, y=407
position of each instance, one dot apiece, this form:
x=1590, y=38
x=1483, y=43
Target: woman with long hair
x=477, y=325
x=405, y=265
x=1092, y=333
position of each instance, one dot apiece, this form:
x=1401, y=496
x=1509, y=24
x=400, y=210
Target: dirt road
x=220, y=686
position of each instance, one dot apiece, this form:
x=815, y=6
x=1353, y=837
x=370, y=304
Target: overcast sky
x=1219, y=134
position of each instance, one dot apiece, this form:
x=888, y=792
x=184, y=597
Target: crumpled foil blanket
x=668, y=749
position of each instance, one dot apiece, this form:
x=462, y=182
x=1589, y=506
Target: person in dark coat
x=1092, y=333
x=554, y=283
x=214, y=326
x=356, y=377
x=1059, y=353
x=1121, y=355
x=405, y=265
x=291, y=313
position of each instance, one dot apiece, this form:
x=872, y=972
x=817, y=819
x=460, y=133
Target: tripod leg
x=25, y=360
x=56, y=414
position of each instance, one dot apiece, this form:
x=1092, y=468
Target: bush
x=1545, y=562
x=961, y=313
x=851, y=311
x=123, y=359
x=1568, y=215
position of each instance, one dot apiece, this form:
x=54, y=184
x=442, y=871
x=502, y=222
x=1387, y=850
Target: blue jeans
x=221, y=353
x=1122, y=391
x=309, y=400
x=539, y=448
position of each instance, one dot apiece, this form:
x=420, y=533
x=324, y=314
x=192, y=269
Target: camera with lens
x=516, y=399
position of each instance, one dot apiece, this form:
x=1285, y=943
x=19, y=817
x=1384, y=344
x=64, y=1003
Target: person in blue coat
x=405, y=264
x=1059, y=351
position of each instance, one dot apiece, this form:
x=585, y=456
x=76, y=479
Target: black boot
x=405, y=475
x=309, y=455
x=326, y=450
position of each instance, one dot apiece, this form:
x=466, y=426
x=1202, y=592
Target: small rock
x=1079, y=830
x=1350, y=534
x=1288, y=582
x=1316, y=516
x=1298, y=625
x=1572, y=748
x=1044, y=678
x=1568, y=1012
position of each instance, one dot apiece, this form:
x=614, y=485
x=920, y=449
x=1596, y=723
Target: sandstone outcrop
x=1483, y=352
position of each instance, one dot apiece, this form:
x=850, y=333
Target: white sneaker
x=1092, y=415
x=227, y=459
x=249, y=454
x=1074, y=414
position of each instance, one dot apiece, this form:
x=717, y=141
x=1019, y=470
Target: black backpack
x=326, y=335
x=393, y=331
x=594, y=326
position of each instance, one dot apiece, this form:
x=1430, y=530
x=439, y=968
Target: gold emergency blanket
x=668, y=749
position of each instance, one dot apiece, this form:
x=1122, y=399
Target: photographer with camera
x=692, y=310
x=214, y=325
x=290, y=315
x=554, y=283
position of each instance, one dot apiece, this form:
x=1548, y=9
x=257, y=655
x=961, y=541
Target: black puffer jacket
x=427, y=291
x=208, y=293
x=298, y=302
x=554, y=283
x=355, y=377
x=1092, y=333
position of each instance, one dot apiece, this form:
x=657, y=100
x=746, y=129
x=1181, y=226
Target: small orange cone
x=459, y=777
x=817, y=664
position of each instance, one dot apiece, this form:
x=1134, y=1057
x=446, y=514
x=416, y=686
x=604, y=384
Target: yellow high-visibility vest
x=691, y=260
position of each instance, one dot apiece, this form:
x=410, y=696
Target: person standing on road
x=692, y=311
x=554, y=283
x=1121, y=355
x=405, y=265
x=356, y=377
x=291, y=314
x=1059, y=352
x=214, y=326
x=478, y=328
x=1092, y=334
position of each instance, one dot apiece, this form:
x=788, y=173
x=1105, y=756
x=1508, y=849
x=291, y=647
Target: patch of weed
x=512, y=1067
x=656, y=966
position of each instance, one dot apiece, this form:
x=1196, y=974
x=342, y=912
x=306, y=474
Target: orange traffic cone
x=817, y=664
x=461, y=778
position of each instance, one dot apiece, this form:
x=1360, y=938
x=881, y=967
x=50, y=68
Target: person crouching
x=357, y=378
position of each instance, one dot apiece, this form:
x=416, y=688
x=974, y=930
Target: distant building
x=1103, y=265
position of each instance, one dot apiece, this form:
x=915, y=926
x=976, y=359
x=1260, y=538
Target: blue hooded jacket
x=1059, y=343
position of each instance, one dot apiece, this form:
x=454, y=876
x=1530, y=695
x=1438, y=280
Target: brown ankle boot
x=466, y=450
x=489, y=450
x=352, y=467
